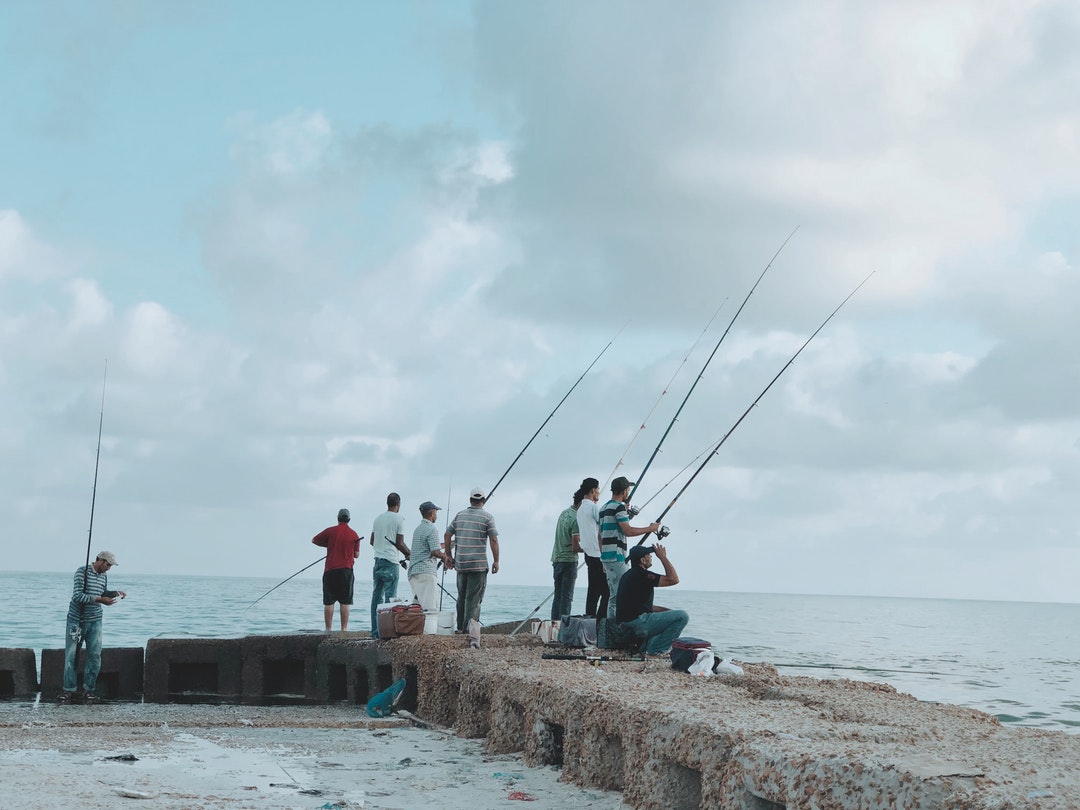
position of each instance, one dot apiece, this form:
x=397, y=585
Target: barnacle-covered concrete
x=756, y=742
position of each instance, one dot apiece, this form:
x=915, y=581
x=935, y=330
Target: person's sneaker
x=65, y=698
x=90, y=699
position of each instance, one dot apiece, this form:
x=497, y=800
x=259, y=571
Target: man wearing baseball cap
x=424, y=558
x=342, y=546
x=90, y=592
x=474, y=528
x=656, y=627
x=614, y=529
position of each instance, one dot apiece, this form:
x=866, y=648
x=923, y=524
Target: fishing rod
x=663, y=533
x=302, y=570
x=446, y=517
x=662, y=394
x=561, y=401
x=491, y=491
x=734, y=317
x=93, y=493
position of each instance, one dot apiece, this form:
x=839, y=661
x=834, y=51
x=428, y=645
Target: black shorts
x=337, y=586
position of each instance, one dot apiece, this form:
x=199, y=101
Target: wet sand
x=174, y=756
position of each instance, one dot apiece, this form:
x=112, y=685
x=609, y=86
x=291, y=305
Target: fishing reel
x=634, y=511
x=662, y=532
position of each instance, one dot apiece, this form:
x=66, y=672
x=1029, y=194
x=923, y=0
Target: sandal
x=65, y=698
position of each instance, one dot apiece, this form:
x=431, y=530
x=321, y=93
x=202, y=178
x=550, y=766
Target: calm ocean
x=1016, y=660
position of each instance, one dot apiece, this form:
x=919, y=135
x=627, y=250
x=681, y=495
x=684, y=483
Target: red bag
x=408, y=620
x=690, y=643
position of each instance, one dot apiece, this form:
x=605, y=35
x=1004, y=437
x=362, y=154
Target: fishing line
x=701, y=374
x=645, y=421
x=446, y=517
x=716, y=449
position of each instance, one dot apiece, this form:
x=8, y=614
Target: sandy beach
x=174, y=756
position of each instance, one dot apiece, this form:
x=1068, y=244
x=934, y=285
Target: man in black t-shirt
x=656, y=627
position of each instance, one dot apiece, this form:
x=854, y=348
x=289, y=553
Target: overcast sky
x=331, y=250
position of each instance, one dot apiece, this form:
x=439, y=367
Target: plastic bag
x=724, y=666
x=703, y=664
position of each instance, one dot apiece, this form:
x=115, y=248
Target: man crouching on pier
x=634, y=603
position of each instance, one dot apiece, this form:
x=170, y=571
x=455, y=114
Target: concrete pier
x=18, y=672
x=663, y=738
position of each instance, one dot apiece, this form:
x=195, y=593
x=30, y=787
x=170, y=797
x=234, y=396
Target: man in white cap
x=425, y=557
x=474, y=528
x=90, y=592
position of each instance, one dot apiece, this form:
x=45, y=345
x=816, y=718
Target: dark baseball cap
x=621, y=483
x=637, y=552
x=427, y=506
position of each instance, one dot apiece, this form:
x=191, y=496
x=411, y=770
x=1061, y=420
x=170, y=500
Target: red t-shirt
x=341, y=544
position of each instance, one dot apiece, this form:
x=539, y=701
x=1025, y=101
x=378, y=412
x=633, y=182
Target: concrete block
x=18, y=672
x=280, y=669
x=193, y=670
x=120, y=678
x=346, y=669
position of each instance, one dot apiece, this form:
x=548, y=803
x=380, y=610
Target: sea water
x=1015, y=660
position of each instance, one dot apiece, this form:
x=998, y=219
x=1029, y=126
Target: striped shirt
x=82, y=604
x=425, y=539
x=613, y=517
x=472, y=527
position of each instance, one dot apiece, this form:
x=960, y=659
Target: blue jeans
x=384, y=578
x=565, y=576
x=658, y=630
x=88, y=630
x=614, y=571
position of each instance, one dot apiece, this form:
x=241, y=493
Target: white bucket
x=445, y=623
x=431, y=622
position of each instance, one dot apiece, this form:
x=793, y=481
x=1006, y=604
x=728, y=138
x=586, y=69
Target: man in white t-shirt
x=588, y=519
x=388, y=542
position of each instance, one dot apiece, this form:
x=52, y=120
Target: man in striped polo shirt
x=474, y=528
x=89, y=593
x=614, y=529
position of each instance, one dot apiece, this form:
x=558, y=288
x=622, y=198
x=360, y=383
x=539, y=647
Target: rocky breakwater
x=759, y=741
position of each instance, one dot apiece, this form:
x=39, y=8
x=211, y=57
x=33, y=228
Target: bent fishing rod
x=508, y=469
x=701, y=374
x=561, y=401
x=715, y=450
x=93, y=493
x=663, y=393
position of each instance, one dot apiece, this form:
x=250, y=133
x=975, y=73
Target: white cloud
x=89, y=307
x=399, y=305
x=22, y=254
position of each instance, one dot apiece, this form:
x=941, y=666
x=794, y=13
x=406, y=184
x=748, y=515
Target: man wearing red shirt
x=342, y=546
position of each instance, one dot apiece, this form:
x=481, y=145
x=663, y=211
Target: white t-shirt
x=588, y=521
x=387, y=527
